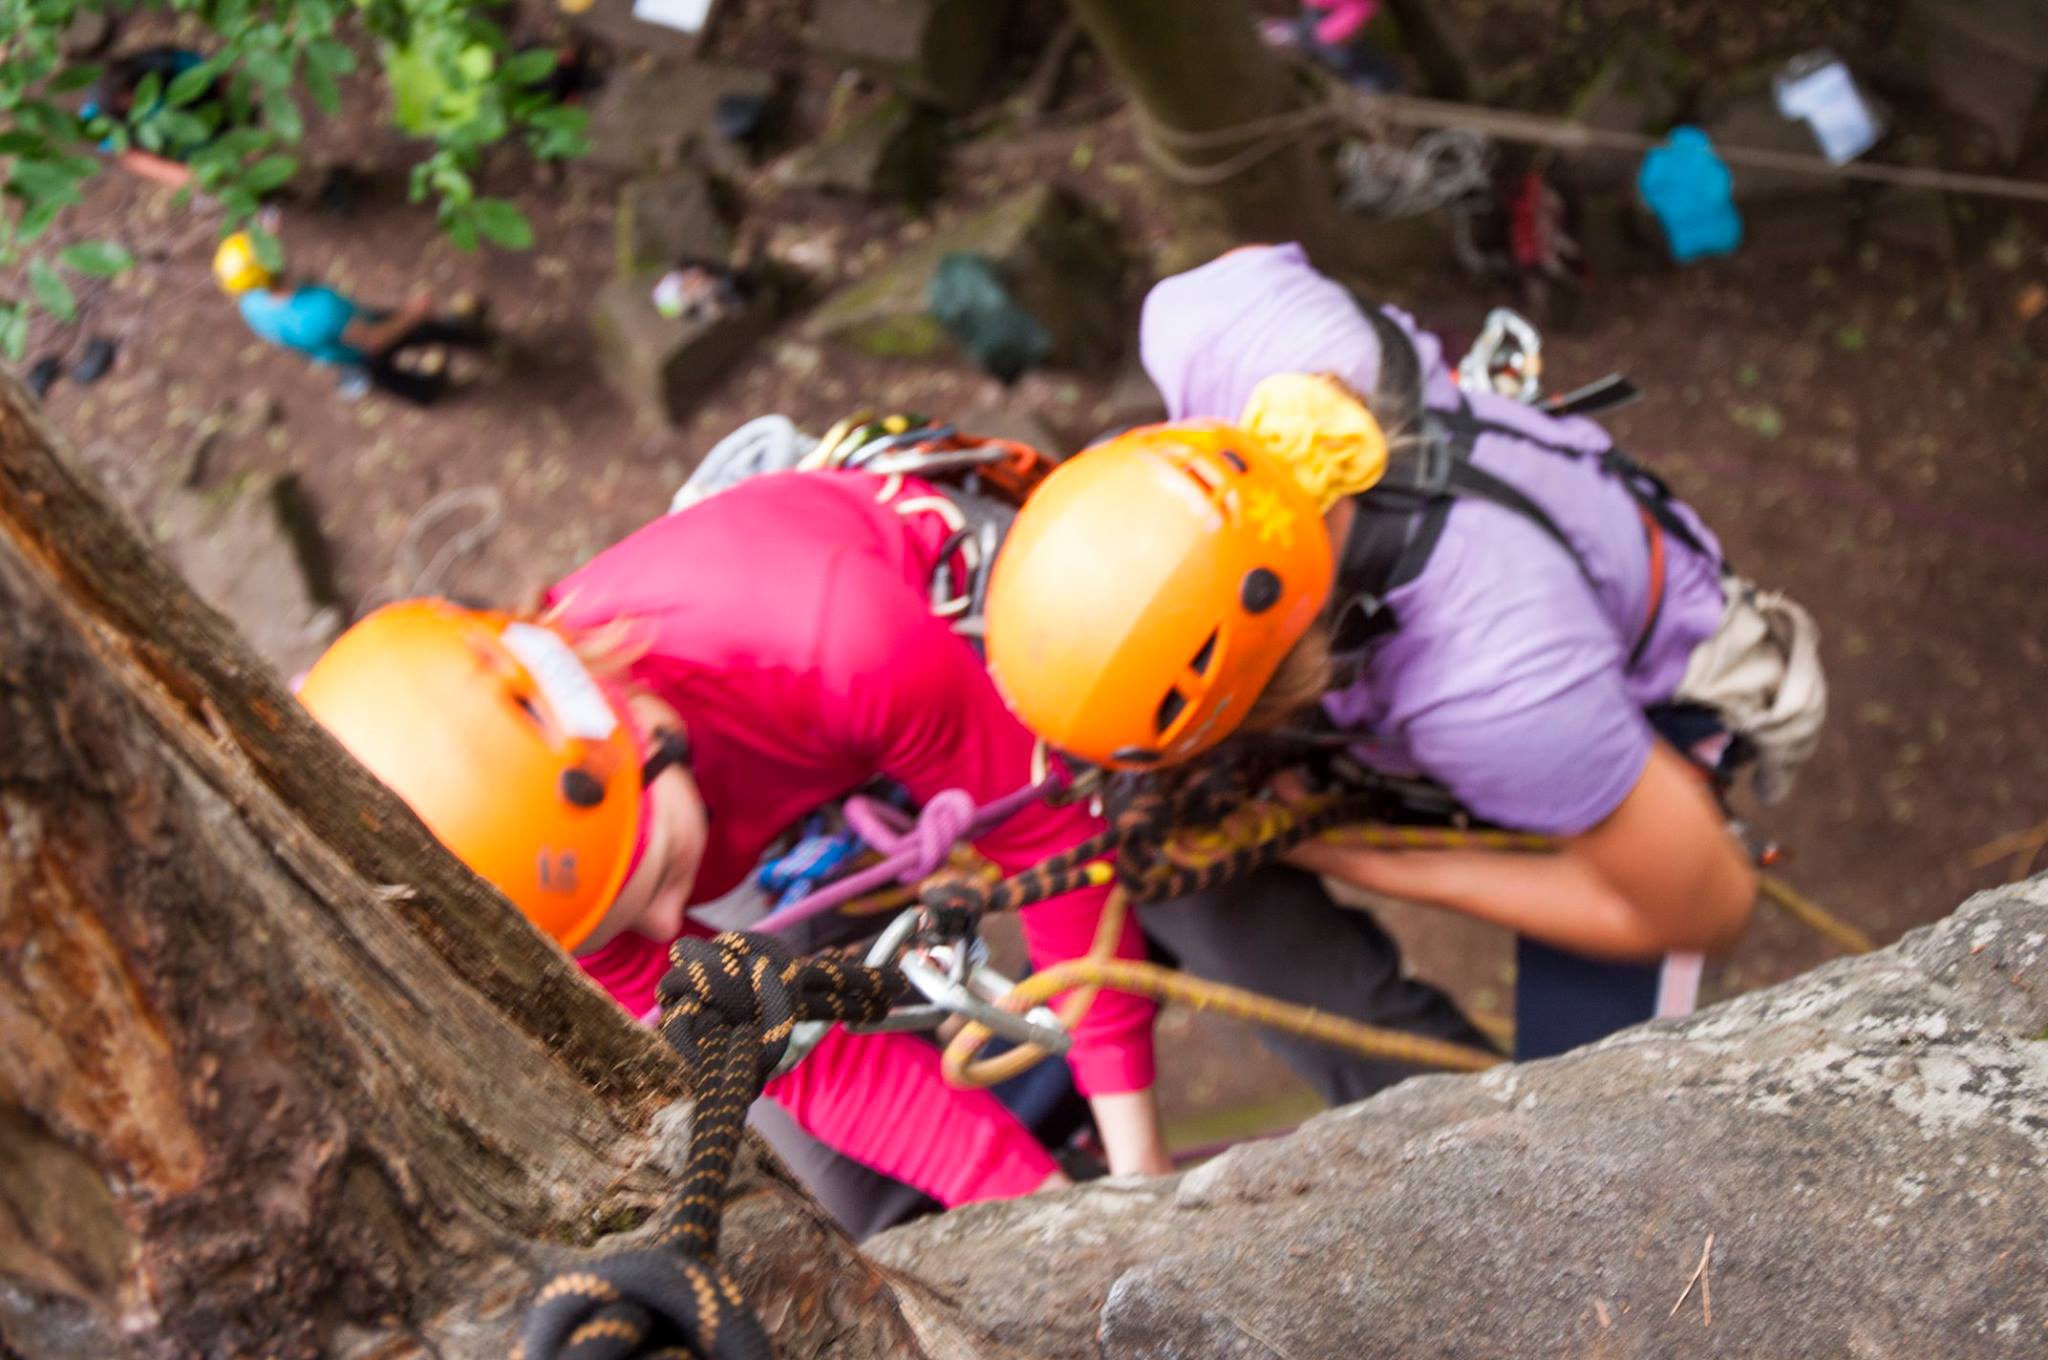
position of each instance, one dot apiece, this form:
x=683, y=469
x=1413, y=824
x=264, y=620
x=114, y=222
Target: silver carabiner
x=974, y=998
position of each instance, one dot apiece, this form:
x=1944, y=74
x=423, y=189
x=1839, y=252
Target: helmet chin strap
x=671, y=748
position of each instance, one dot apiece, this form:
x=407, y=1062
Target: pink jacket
x=786, y=620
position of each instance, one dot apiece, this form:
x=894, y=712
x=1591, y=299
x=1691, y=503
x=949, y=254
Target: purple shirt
x=1508, y=680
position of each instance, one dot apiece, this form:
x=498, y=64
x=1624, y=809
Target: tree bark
x=1199, y=67
x=278, y=1076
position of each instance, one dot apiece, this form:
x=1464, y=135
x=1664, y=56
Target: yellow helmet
x=236, y=268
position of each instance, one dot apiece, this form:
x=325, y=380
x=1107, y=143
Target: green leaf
x=43, y=182
x=269, y=173
x=269, y=253
x=73, y=78
x=51, y=290
x=101, y=259
x=14, y=332
x=36, y=220
x=149, y=92
x=282, y=113
x=502, y=224
x=239, y=142
x=320, y=84
x=270, y=69
x=187, y=86
x=462, y=231
x=330, y=56
x=528, y=68
x=22, y=144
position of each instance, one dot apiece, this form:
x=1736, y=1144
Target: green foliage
x=234, y=120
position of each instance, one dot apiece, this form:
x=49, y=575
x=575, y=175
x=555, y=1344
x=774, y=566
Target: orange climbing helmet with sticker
x=494, y=733
x=1150, y=588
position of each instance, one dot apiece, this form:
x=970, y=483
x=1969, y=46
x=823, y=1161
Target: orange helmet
x=1150, y=588
x=497, y=736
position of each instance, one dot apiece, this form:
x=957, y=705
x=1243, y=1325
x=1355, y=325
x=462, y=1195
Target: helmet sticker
x=578, y=704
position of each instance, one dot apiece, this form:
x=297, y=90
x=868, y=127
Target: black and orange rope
x=728, y=1006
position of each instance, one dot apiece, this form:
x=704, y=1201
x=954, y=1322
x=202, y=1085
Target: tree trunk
x=1199, y=67
x=278, y=1076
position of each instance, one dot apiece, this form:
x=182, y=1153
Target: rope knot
x=922, y=847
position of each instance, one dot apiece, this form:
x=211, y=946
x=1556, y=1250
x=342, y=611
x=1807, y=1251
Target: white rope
x=1438, y=169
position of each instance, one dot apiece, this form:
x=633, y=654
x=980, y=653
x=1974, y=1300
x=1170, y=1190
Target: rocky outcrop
x=1056, y=254
x=1865, y=1147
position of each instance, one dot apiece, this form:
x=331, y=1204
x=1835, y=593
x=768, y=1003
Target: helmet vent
x=1261, y=590
x=1200, y=665
x=1236, y=460
x=582, y=788
x=1170, y=708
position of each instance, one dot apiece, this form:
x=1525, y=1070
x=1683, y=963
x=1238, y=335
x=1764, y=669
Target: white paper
x=685, y=16
x=1827, y=99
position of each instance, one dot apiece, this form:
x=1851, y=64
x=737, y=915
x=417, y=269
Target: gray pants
x=860, y=1199
x=1279, y=932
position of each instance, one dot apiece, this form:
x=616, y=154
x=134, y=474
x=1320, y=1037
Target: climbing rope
x=728, y=1006
x=1434, y=172
x=731, y=1005
x=1205, y=158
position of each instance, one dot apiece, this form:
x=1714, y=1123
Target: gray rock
x=1985, y=59
x=1866, y=1145
x=251, y=548
x=889, y=152
x=935, y=50
x=664, y=365
x=1057, y=258
x=1016, y=422
x=1633, y=91
x=667, y=218
x=1751, y=119
x=653, y=117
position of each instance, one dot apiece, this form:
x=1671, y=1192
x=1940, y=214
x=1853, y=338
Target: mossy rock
x=1057, y=256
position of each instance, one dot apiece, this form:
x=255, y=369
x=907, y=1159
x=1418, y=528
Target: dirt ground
x=1864, y=430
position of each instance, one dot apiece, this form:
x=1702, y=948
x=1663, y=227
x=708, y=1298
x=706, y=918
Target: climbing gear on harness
x=502, y=743
x=236, y=268
x=945, y=960
x=1150, y=588
x=982, y=482
x=910, y=851
x=1506, y=359
x=764, y=444
x=728, y=1007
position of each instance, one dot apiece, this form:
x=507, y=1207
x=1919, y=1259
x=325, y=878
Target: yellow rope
x=1812, y=915
x=1100, y=968
x=1165, y=984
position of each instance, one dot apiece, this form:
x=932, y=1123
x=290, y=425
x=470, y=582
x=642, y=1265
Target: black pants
x=423, y=389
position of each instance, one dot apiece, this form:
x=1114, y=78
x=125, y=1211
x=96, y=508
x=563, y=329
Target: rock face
x=1867, y=1147
x=934, y=50
x=250, y=548
x=1986, y=59
x=1056, y=257
x=664, y=365
x=654, y=117
x=669, y=218
x=888, y=152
